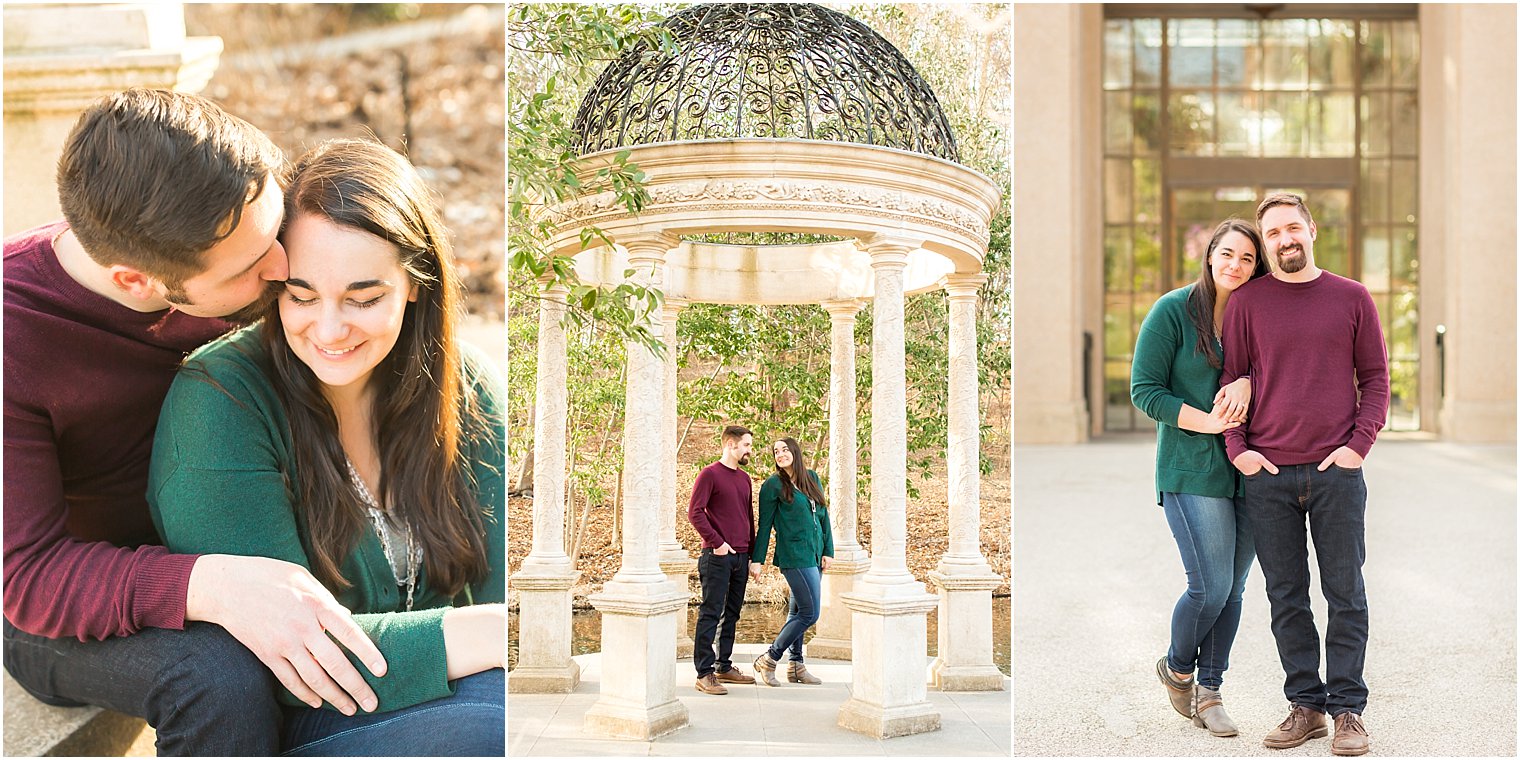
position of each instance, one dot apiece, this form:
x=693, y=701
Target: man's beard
x=246, y=315
x=744, y=460
x=1295, y=264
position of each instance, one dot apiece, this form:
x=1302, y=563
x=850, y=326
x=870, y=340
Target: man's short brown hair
x=735, y=433
x=151, y=179
x=1283, y=199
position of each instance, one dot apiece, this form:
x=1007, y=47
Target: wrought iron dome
x=779, y=70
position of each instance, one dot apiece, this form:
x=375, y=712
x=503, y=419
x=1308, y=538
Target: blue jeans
x=203, y=692
x=1334, y=504
x=802, y=611
x=472, y=723
x=1216, y=547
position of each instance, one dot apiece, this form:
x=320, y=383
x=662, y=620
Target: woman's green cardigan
x=1167, y=372
x=218, y=484
x=803, y=537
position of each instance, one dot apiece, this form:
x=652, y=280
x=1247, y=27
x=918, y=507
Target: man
x=172, y=209
x=1313, y=347
x=721, y=511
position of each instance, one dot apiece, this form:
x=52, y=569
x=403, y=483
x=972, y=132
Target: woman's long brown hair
x=422, y=403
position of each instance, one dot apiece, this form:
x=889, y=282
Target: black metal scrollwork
x=793, y=70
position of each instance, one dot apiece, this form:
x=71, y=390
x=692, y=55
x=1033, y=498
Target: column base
x=638, y=661
x=544, y=665
x=971, y=678
x=884, y=723
x=964, y=660
x=832, y=639
x=678, y=569
x=544, y=680
x=888, y=630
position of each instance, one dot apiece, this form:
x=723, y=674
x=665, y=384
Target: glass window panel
x=1116, y=258
x=1283, y=121
x=1374, y=190
x=1375, y=124
x=1406, y=264
x=1192, y=121
x=1116, y=191
x=1147, y=179
x=1376, y=253
x=1403, y=192
x=1147, y=52
x=1147, y=275
x=1404, y=395
x=1119, y=412
x=1191, y=240
x=1147, y=126
x=1118, y=131
x=1403, y=340
x=1332, y=127
x=1332, y=54
x=1191, y=45
x=1376, y=54
x=1238, y=53
x=1239, y=124
x=1330, y=249
x=1285, y=60
x=1118, y=340
x=1330, y=206
x=1116, y=54
x=1406, y=53
x=1406, y=122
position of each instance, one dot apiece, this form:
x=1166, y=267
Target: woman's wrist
x=474, y=639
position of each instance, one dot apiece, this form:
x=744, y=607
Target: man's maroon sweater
x=1319, y=370
x=84, y=380
x=720, y=507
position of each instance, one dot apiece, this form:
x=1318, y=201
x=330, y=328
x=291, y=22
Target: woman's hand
x=1199, y=421
x=1234, y=399
x=475, y=639
x=826, y=561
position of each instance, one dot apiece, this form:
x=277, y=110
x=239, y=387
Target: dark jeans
x=200, y=690
x=472, y=723
x=723, y=581
x=802, y=611
x=1214, y=542
x=1335, y=505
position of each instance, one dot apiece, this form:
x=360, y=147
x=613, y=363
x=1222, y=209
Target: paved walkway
x=757, y=721
x=1096, y=574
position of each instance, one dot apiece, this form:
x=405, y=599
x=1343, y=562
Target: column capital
x=554, y=289
x=672, y=307
x=963, y=284
x=890, y=250
x=843, y=309
x=648, y=246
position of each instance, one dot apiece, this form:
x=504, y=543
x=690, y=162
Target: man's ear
x=134, y=283
x=1313, y=231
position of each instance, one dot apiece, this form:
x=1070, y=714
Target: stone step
x=33, y=729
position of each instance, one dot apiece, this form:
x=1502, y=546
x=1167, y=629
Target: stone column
x=888, y=627
x=543, y=582
x=963, y=578
x=640, y=605
x=674, y=561
x=60, y=58
x=832, y=638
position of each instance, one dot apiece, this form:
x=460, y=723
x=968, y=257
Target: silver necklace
x=386, y=529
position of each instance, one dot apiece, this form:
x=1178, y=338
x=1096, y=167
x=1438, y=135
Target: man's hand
x=754, y=570
x=1217, y=421
x=283, y=615
x=1232, y=401
x=1252, y=462
x=1342, y=457
x=723, y=550
x=826, y=560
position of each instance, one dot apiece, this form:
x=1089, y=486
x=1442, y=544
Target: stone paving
x=1096, y=574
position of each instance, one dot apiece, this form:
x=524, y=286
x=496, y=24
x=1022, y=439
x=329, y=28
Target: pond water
x=759, y=624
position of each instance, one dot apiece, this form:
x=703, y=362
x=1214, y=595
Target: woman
x=349, y=432
x=791, y=502
x=1175, y=381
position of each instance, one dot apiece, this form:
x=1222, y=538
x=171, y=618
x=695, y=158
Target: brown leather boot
x=1178, y=692
x=1301, y=725
x=1350, y=735
x=765, y=668
x=709, y=685
x=796, y=672
x=733, y=675
x=1208, y=712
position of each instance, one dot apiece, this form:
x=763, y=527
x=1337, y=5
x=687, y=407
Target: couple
x=1283, y=377
x=791, y=504
x=192, y=543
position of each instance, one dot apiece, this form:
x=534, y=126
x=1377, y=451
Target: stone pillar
x=674, y=561
x=543, y=582
x=640, y=605
x=888, y=627
x=832, y=638
x=963, y=578
x=59, y=58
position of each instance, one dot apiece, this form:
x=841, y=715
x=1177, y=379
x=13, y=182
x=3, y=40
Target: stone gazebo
x=772, y=118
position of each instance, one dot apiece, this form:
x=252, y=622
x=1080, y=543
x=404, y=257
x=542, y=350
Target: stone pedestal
x=638, y=667
x=964, y=654
x=59, y=58
x=544, y=664
x=888, y=693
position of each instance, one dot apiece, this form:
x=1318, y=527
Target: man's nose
x=277, y=268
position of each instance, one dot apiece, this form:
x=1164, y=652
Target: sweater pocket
x=1190, y=452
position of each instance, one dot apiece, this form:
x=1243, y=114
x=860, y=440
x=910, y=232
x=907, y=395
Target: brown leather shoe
x=709, y=685
x=1301, y=725
x=765, y=667
x=733, y=675
x=1350, y=735
x=796, y=672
